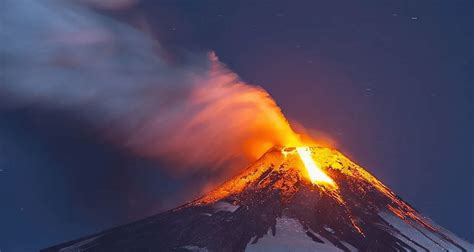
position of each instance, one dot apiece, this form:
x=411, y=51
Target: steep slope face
x=280, y=204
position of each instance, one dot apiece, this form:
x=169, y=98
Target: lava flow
x=315, y=174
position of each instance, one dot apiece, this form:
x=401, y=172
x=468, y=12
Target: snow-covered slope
x=272, y=206
x=289, y=236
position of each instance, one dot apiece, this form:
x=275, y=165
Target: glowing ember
x=316, y=175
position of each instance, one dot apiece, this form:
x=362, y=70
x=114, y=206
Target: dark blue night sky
x=389, y=81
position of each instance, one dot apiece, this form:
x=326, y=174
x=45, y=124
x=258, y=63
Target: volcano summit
x=291, y=199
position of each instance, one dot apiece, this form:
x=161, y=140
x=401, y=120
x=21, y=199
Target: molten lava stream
x=316, y=175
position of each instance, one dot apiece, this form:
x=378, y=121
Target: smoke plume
x=196, y=113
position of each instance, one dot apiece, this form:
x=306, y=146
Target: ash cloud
x=197, y=113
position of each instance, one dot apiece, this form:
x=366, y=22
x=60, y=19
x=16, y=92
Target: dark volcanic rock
x=272, y=206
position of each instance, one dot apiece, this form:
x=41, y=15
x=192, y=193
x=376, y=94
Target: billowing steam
x=60, y=54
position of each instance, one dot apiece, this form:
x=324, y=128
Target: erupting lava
x=313, y=171
x=316, y=175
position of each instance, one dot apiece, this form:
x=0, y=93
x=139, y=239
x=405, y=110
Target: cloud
x=196, y=113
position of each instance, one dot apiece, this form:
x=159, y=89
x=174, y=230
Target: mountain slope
x=276, y=204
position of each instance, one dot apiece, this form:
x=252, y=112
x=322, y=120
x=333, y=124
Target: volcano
x=291, y=199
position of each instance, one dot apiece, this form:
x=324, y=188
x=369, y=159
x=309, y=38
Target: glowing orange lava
x=316, y=175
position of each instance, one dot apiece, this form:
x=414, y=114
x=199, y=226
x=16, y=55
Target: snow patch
x=349, y=246
x=195, y=248
x=225, y=206
x=330, y=230
x=326, y=241
x=455, y=238
x=77, y=246
x=419, y=234
x=290, y=236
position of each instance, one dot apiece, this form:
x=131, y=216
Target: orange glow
x=288, y=162
x=316, y=175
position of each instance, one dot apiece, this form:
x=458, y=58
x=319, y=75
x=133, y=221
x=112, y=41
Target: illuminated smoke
x=61, y=55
